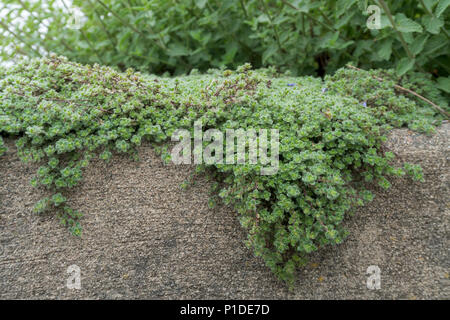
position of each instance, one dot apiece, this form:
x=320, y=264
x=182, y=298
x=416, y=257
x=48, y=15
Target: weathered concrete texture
x=145, y=237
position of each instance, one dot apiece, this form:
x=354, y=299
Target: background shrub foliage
x=305, y=37
x=63, y=114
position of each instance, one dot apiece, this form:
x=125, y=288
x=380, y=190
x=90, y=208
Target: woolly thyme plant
x=64, y=114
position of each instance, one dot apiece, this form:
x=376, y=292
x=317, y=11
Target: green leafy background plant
x=63, y=114
x=304, y=37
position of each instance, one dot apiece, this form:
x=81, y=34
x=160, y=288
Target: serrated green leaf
x=385, y=22
x=344, y=20
x=201, y=3
x=343, y=6
x=441, y=7
x=361, y=47
x=444, y=84
x=333, y=39
x=432, y=24
x=306, y=6
x=270, y=51
x=231, y=52
x=405, y=24
x=409, y=37
x=362, y=4
x=385, y=50
x=122, y=45
x=430, y=4
x=435, y=43
x=263, y=18
x=419, y=43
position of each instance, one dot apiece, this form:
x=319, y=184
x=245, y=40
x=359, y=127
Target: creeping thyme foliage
x=63, y=114
x=395, y=108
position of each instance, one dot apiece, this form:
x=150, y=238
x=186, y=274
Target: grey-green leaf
x=444, y=84
x=419, y=43
x=385, y=50
x=441, y=7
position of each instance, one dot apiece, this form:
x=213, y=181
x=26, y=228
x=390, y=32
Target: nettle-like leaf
x=385, y=49
x=405, y=65
x=441, y=7
x=419, y=43
x=444, y=84
x=330, y=134
x=303, y=37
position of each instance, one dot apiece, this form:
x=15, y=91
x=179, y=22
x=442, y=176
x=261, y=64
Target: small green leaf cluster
x=64, y=114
